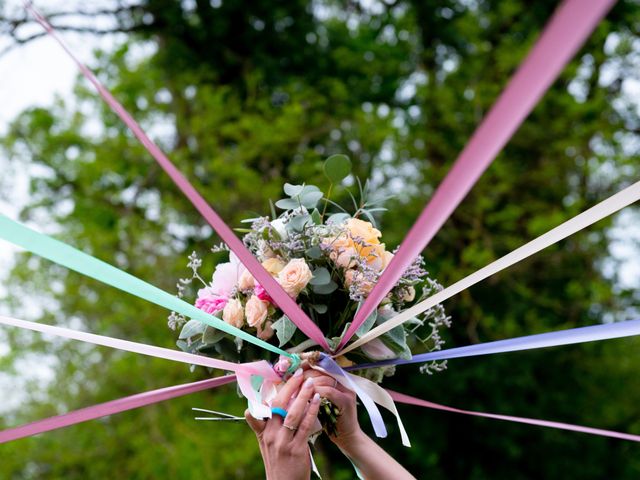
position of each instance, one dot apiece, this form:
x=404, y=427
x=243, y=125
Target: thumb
x=256, y=425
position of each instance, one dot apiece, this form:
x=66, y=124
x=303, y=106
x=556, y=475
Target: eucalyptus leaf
x=321, y=276
x=320, y=308
x=396, y=340
x=191, y=329
x=316, y=217
x=314, y=253
x=326, y=289
x=368, y=323
x=293, y=190
x=310, y=199
x=285, y=329
x=297, y=223
x=338, y=218
x=337, y=168
x=212, y=335
x=287, y=204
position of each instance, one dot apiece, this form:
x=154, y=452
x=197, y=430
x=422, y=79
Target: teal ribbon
x=74, y=259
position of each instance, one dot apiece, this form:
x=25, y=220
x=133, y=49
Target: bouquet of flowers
x=328, y=259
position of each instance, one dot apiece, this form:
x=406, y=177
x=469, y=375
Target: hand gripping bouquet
x=328, y=259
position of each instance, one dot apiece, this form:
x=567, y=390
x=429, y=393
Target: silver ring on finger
x=289, y=427
x=335, y=384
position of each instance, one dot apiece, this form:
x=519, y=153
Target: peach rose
x=233, y=313
x=246, y=281
x=364, y=230
x=273, y=265
x=295, y=276
x=267, y=332
x=256, y=311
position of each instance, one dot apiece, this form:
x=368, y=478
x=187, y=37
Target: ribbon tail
x=384, y=399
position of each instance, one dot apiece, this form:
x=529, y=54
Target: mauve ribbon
x=571, y=336
x=402, y=398
x=280, y=297
x=570, y=25
x=110, y=408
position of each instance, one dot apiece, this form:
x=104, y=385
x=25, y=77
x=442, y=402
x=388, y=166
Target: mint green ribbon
x=74, y=259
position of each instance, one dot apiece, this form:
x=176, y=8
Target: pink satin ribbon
x=567, y=30
x=402, y=398
x=280, y=297
x=110, y=408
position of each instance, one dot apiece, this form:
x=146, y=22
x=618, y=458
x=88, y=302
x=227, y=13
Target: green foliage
x=247, y=95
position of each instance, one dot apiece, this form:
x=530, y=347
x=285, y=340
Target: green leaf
x=191, y=329
x=293, y=190
x=338, y=218
x=325, y=289
x=316, y=217
x=212, y=335
x=396, y=340
x=321, y=276
x=243, y=230
x=368, y=323
x=297, y=223
x=310, y=199
x=314, y=253
x=337, y=167
x=287, y=204
x=320, y=308
x=285, y=329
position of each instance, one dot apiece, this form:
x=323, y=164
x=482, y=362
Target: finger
x=256, y=425
x=333, y=394
x=310, y=417
x=296, y=412
x=290, y=387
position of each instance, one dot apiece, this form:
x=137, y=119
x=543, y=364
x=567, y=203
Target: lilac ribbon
x=542, y=340
x=569, y=27
x=333, y=369
x=273, y=288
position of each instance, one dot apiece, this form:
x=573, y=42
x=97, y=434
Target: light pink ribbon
x=402, y=398
x=567, y=30
x=276, y=292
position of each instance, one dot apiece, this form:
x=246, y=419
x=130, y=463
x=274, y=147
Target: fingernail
x=298, y=372
x=316, y=398
x=308, y=383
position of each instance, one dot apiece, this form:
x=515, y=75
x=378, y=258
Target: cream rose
x=410, y=295
x=233, y=313
x=295, y=276
x=256, y=311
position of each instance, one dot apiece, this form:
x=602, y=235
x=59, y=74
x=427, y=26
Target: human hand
x=283, y=442
x=347, y=425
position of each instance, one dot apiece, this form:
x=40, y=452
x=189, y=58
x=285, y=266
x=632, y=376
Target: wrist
x=348, y=441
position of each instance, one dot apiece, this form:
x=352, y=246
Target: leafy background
x=247, y=95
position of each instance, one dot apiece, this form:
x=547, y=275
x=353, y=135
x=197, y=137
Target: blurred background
x=244, y=96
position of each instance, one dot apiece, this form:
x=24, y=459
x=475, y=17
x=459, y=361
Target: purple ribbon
x=543, y=340
x=333, y=369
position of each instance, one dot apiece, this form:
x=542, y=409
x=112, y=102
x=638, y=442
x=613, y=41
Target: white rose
x=279, y=226
x=376, y=350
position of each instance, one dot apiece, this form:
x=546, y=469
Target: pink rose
x=233, y=313
x=209, y=301
x=262, y=294
x=267, y=332
x=246, y=281
x=256, y=311
x=282, y=366
x=295, y=276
